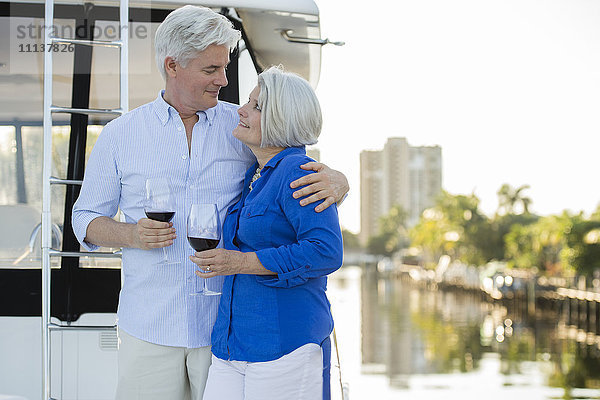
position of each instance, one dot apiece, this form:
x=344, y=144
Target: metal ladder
x=48, y=180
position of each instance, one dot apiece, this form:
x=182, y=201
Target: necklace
x=255, y=176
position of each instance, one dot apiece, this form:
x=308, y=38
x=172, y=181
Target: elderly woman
x=271, y=337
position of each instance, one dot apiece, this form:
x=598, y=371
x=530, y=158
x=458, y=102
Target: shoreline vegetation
x=554, y=247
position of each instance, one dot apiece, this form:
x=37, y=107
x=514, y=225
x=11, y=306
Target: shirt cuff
x=269, y=262
x=80, y=225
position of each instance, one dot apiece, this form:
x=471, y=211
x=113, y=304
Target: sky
x=509, y=89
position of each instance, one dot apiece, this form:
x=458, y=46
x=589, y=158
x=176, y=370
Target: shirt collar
x=164, y=110
x=210, y=114
x=272, y=163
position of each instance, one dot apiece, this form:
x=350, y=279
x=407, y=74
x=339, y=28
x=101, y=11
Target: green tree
x=506, y=219
x=555, y=244
x=509, y=198
x=519, y=247
x=501, y=225
x=471, y=224
x=583, y=241
x=351, y=240
x=430, y=236
x=456, y=227
x=392, y=234
x=539, y=244
x=596, y=214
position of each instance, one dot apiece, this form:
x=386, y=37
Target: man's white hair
x=189, y=30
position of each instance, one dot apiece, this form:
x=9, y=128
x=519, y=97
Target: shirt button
x=184, y=157
x=179, y=129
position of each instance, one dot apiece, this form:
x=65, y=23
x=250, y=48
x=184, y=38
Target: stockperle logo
x=28, y=45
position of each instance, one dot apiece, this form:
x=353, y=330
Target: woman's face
x=248, y=130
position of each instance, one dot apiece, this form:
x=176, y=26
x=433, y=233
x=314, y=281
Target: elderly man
x=185, y=135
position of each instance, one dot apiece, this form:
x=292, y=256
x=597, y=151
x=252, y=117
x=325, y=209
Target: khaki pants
x=149, y=371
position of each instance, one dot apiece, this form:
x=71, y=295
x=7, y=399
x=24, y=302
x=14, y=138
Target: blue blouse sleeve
x=318, y=250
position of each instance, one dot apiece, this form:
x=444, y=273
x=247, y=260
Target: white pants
x=150, y=371
x=295, y=376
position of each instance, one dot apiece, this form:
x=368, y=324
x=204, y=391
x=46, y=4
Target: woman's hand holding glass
x=227, y=262
x=219, y=262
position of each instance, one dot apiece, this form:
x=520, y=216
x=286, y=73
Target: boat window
x=21, y=186
x=21, y=113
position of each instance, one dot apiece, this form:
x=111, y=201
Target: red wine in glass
x=162, y=216
x=158, y=205
x=201, y=244
x=204, y=233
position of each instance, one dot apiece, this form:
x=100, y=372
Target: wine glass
x=159, y=205
x=204, y=233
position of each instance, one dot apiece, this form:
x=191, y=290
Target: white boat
x=43, y=147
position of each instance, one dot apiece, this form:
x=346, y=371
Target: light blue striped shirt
x=154, y=304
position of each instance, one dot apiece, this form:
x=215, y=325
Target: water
x=399, y=341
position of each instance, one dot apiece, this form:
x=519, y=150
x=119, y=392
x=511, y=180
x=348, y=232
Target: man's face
x=197, y=84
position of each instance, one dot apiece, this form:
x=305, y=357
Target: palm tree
x=509, y=197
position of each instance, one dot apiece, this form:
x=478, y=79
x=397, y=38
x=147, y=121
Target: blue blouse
x=263, y=317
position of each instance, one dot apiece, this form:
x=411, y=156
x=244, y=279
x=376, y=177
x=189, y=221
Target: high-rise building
x=397, y=175
x=314, y=153
x=371, y=192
